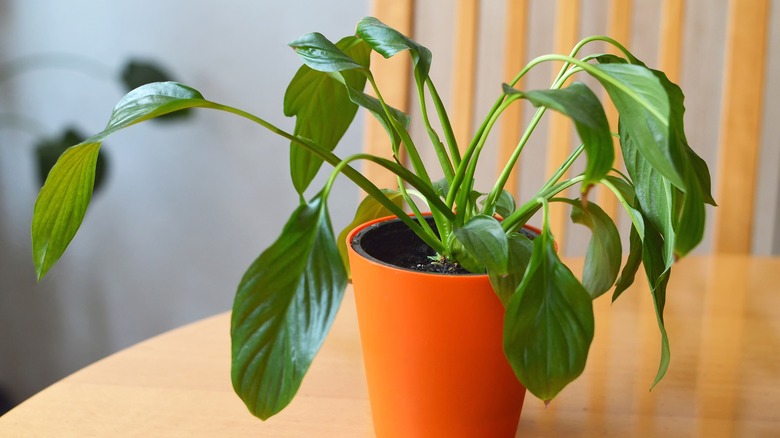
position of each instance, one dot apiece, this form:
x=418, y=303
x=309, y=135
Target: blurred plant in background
x=48, y=147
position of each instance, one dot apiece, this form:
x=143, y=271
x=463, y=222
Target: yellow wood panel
x=514, y=59
x=740, y=133
x=393, y=77
x=670, y=47
x=464, y=71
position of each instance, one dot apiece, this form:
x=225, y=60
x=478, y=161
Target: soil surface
x=394, y=243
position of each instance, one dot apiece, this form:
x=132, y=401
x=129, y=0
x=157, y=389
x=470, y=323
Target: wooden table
x=723, y=316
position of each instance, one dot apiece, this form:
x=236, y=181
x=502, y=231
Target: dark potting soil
x=392, y=242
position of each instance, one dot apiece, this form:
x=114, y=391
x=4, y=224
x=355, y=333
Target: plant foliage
x=286, y=302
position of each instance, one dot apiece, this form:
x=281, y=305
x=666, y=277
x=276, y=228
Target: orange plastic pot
x=432, y=346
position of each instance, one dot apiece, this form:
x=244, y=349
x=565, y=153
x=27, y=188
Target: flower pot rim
x=352, y=245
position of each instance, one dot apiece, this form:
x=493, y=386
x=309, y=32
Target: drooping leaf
x=689, y=202
x=604, y=253
x=629, y=197
x=653, y=195
x=48, y=150
x=690, y=217
x=369, y=209
x=387, y=42
x=658, y=274
x=283, y=310
x=580, y=104
x=62, y=204
x=321, y=54
x=628, y=273
x=548, y=326
x=483, y=237
x=644, y=110
x=323, y=110
x=63, y=200
x=693, y=166
x=505, y=285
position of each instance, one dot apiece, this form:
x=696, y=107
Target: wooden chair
x=741, y=104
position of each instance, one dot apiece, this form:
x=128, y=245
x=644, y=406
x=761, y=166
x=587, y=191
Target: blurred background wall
x=187, y=206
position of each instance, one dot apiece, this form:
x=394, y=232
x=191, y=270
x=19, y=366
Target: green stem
x=416, y=211
x=414, y=156
x=463, y=195
x=449, y=134
x=507, y=170
x=562, y=170
x=441, y=153
x=358, y=178
x=525, y=211
x=460, y=172
x=640, y=226
x=420, y=228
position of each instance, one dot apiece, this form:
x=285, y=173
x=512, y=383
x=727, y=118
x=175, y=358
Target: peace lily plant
x=287, y=299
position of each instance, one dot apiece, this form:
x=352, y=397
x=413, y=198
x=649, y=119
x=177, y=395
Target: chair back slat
x=464, y=71
x=561, y=134
x=514, y=56
x=665, y=32
x=740, y=134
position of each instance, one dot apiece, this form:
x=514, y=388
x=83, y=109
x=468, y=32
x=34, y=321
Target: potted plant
x=288, y=297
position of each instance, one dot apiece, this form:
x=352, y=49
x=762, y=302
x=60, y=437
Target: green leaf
x=369, y=209
x=580, y=104
x=505, y=205
x=690, y=218
x=604, y=254
x=321, y=54
x=658, y=273
x=138, y=72
x=323, y=110
x=689, y=201
x=483, y=238
x=644, y=110
x=504, y=285
x=652, y=190
x=464, y=258
x=63, y=200
x=47, y=151
x=62, y=204
x=283, y=310
x=629, y=196
x=608, y=58
x=150, y=101
x=548, y=326
x=693, y=166
x=387, y=42
x=441, y=187
x=628, y=274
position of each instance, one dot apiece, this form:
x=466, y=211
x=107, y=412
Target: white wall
x=187, y=207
